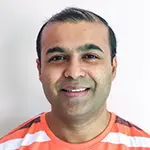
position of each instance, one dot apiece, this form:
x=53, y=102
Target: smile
x=75, y=90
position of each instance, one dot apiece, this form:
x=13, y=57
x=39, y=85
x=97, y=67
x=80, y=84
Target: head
x=76, y=61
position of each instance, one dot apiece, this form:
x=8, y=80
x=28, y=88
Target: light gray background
x=21, y=94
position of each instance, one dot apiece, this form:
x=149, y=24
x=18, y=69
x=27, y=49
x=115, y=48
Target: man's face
x=76, y=70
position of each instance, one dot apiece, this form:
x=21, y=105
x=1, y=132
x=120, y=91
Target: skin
x=69, y=61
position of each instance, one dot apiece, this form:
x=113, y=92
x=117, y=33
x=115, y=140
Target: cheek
x=51, y=75
x=101, y=75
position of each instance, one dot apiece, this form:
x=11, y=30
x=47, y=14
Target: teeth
x=77, y=90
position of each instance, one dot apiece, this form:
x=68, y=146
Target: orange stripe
x=23, y=124
x=15, y=135
x=21, y=133
x=130, y=131
x=104, y=146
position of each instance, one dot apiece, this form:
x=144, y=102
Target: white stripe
x=129, y=141
x=40, y=136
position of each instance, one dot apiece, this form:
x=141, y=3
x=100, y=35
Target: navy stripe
x=126, y=123
x=29, y=124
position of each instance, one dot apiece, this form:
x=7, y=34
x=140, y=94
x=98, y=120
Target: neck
x=79, y=131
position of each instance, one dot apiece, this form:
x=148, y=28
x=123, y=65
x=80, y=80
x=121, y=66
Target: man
x=77, y=64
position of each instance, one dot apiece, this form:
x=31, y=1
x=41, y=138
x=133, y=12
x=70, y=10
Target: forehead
x=71, y=35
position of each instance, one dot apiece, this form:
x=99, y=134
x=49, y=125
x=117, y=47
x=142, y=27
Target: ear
x=114, y=67
x=39, y=68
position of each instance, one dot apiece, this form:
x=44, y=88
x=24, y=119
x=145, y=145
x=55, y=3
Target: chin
x=75, y=114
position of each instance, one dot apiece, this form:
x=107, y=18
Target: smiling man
x=77, y=64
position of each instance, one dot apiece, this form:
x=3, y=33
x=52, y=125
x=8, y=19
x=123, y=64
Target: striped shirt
x=35, y=134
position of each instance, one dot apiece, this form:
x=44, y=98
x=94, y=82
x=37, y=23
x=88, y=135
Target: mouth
x=75, y=92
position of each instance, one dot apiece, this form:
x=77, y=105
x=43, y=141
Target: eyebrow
x=88, y=47
x=82, y=48
x=55, y=49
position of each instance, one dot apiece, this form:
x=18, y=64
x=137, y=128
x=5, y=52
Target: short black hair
x=74, y=15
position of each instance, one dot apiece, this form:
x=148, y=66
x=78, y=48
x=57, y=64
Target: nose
x=74, y=70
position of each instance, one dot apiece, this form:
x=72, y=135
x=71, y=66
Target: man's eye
x=90, y=56
x=57, y=58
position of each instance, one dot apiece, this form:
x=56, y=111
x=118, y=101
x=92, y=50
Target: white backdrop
x=21, y=94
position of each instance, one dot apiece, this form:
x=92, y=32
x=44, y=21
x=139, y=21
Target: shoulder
x=16, y=137
x=129, y=128
x=126, y=133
